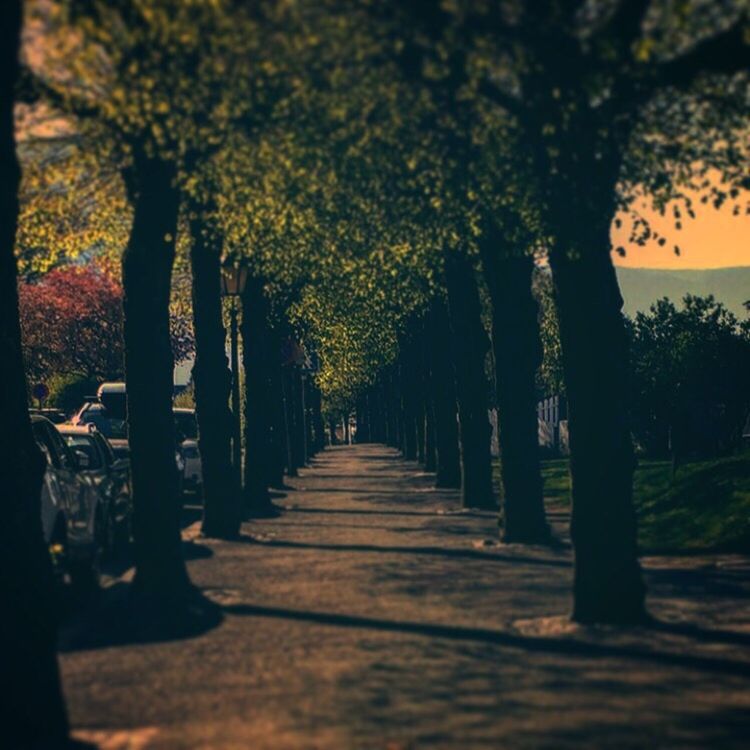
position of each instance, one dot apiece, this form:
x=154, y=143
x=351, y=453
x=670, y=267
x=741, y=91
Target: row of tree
x=365, y=160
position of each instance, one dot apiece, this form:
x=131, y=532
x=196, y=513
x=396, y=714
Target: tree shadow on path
x=566, y=647
x=120, y=615
x=469, y=554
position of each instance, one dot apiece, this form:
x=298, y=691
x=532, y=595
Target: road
x=375, y=613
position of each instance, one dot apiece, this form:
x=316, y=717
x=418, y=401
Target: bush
x=67, y=391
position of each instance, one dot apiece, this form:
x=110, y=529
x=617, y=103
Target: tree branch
x=497, y=96
x=726, y=53
x=626, y=21
x=32, y=89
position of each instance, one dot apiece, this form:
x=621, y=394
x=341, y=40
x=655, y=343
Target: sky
x=714, y=239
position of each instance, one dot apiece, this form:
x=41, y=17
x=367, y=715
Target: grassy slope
x=707, y=507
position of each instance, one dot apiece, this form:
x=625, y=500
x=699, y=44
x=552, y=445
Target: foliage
x=186, y=398
x=71, y=323
x=73, y=206
x=550, y=379
x=68, y=391
x=690, y=375
x=343, y=147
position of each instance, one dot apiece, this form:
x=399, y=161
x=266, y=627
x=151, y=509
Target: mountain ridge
x=641, y=287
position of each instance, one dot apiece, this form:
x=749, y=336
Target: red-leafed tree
x=72, y=323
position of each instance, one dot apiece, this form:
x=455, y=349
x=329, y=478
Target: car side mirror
x=82, y=460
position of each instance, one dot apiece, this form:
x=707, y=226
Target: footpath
x=375, y=614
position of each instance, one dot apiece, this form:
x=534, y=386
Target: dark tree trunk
x=394, y=408
x=332, y=430
x=317, y=417
x=443, y=398
x=257, y=356
x=470, y=346
x=608, y=586
x=517, y=352
x=213, y=381
x=310, y=441
x=377, y=413
x=430, y=452
x=408, y=411
x=33, y=712
x=417, y=378
x=300, y=416
x=147, y=273
x=287, y=379
x=276, y=411
x=420, y=427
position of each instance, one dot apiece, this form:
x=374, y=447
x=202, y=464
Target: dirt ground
x=374, y=613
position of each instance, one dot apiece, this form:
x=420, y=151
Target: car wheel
x=58, y=551
x=120, y=536
x=84, y=572
x=84, y=578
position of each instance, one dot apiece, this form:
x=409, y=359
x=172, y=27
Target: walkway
x=376, y=614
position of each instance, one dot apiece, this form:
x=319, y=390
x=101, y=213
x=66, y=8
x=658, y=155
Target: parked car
x=54, y=415
x=193, y=473
x=110, y=475
x=70, y=508
x=186, y=426
x=107, y=411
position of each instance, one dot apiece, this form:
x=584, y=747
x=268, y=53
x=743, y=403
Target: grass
x=706, y=508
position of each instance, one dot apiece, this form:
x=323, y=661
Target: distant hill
x=641, y=287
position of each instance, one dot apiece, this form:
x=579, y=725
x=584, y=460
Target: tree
x=690, y=370
x=147, y=81
x=580, y=84
x=222, y=511
x=71, y=322
x=470, y=347
x=585, y=83
x=33, y=712
x=260, y=357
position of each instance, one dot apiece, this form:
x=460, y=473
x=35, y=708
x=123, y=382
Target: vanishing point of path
x=375, y=614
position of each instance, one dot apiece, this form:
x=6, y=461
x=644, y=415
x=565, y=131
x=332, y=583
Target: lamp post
x=233, y=280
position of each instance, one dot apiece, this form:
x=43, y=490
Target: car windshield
x=110, y=427
x=187, y=428
x=85, y=444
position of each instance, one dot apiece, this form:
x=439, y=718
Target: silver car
x=71, y=513
x=110, y=475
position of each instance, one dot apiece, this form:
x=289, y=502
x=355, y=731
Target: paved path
x=375, y=614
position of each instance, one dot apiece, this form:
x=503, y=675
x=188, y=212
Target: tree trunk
x=310, y=442
x=317, y=417
x=443, y=398
x=378, y=414
x=292, y=459
x=213, y=379
x=470, y=346
x=300, y=416
x=517, y=350
x=276, y=412
x=394, y=408
x=257, y=356
x=146, y=274
x=430, y=451
x=408, y=406
x=332, y=430
x=608, y=586
x=33, y=712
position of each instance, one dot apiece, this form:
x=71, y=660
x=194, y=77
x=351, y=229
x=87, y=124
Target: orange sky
x=714, y=239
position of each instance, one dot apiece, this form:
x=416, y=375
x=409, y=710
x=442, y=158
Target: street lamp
x=233, y=280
